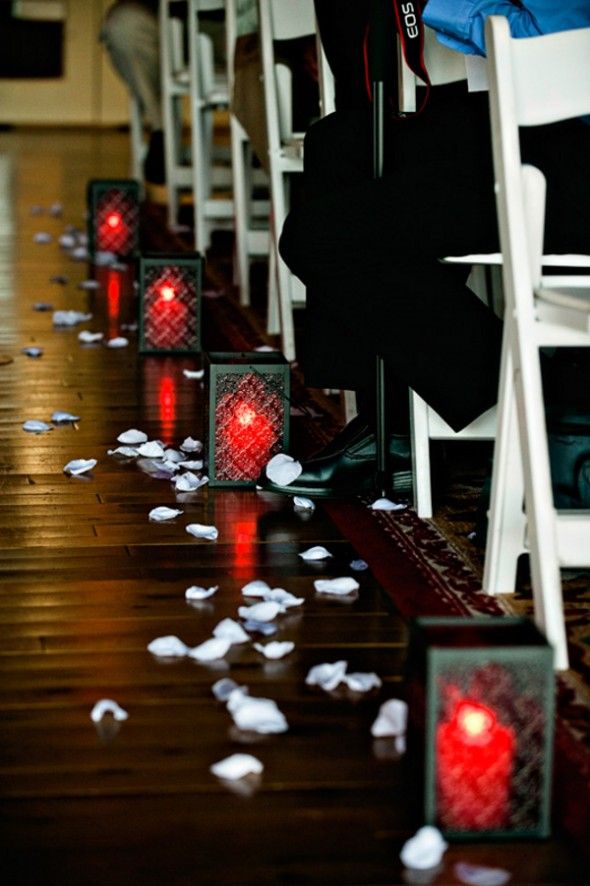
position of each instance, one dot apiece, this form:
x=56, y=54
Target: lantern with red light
x=247, y=414
x=481, y=710
x=113, y=217
x=170, y=303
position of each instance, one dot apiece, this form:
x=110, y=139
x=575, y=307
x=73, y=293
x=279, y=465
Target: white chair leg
x=420, y=456
x=273, y=325
x=137, y=139
x=506, y=519
x=541, y=515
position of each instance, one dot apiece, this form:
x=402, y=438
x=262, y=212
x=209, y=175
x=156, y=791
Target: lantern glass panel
x=248, y=410
x=487, y=709
x=170, y=304
x=113, y=217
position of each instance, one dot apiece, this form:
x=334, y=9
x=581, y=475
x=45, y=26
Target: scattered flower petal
x=193, y=373
x=275, y=649
x=36, y=427
x=32, y=351
x=424, y=850
x=79, y=253
x=168, y=647
x=259, y=715
x=102, y=258
x=360, y=682
x=282, y=469
x=118, y=342
x=197, y=593
x=237, y=766
x=260, y=627
x=188, y=482
x=285, y=599
x=211, y=649
x=132, y=436
x=266, y=611
x=479, y=875
x=327, y=675
x=151, y=449
x=89, y=284
x=318, y=552
x=265, y=349
x=300, y=503
x=70, y=318
x=391, y=720
x=199, y=530
x=67, y=241
x=62, y=417
x=80, y=466
x=223, y=688
x=191, y=464
x=191, y=445
x=56, y=209
x=231, y=630
x=42, y=237
x=158, y=515
x=107, y=706
x=358, y=565
x=87, y=337
x=256, y=588
x=385, y=504
x=336, y=586
x=126, y=451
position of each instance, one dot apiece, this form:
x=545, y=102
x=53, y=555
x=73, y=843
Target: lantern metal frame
x=442, y=645
x=96, y=189
x=190, y=263
x=267, y=365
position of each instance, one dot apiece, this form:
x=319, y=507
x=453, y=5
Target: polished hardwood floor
x=87, y=581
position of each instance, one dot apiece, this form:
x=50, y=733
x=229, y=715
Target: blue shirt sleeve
x=460, y=24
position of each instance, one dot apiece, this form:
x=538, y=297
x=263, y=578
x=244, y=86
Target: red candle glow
x=166, y=319
x=475, y=760
x=248, y=423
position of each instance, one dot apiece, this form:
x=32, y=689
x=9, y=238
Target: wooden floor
x=87, y=581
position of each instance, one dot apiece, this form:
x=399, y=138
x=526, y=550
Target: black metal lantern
x=170, y=303
x=247, y=414
x=113, y=217
x=481, y=712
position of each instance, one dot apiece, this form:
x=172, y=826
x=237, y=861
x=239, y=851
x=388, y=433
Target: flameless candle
x=166, y=319
x=246, y=431
x=475, y=760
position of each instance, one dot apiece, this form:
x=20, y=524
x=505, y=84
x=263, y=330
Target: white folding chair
x=175, y=89
x=485, y=280
x=137, y=140
x=533, y=81
x=251, y=215
x=282, y=20
x=208, y=93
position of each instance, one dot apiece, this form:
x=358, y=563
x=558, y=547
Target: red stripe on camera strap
x=410, y=27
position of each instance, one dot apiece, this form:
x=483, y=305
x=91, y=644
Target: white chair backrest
x=281, y=20
x=533, y=81
x=291, y=18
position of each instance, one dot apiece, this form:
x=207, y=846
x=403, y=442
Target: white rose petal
x=263, y=612
x=80, y=466
x=282, y=469
x=132, y=436
x=231, y=630
x=424, y=850
x=210, y=650
x=160, y=514
x=336, y=586
x=107, y=706
x=318, y=552
x=197, y=593
x=168, y=647
x=237, y=766
x=275, y=649
x=200, y=530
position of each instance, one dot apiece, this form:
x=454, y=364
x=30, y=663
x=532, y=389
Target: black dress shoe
x=349, y=470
